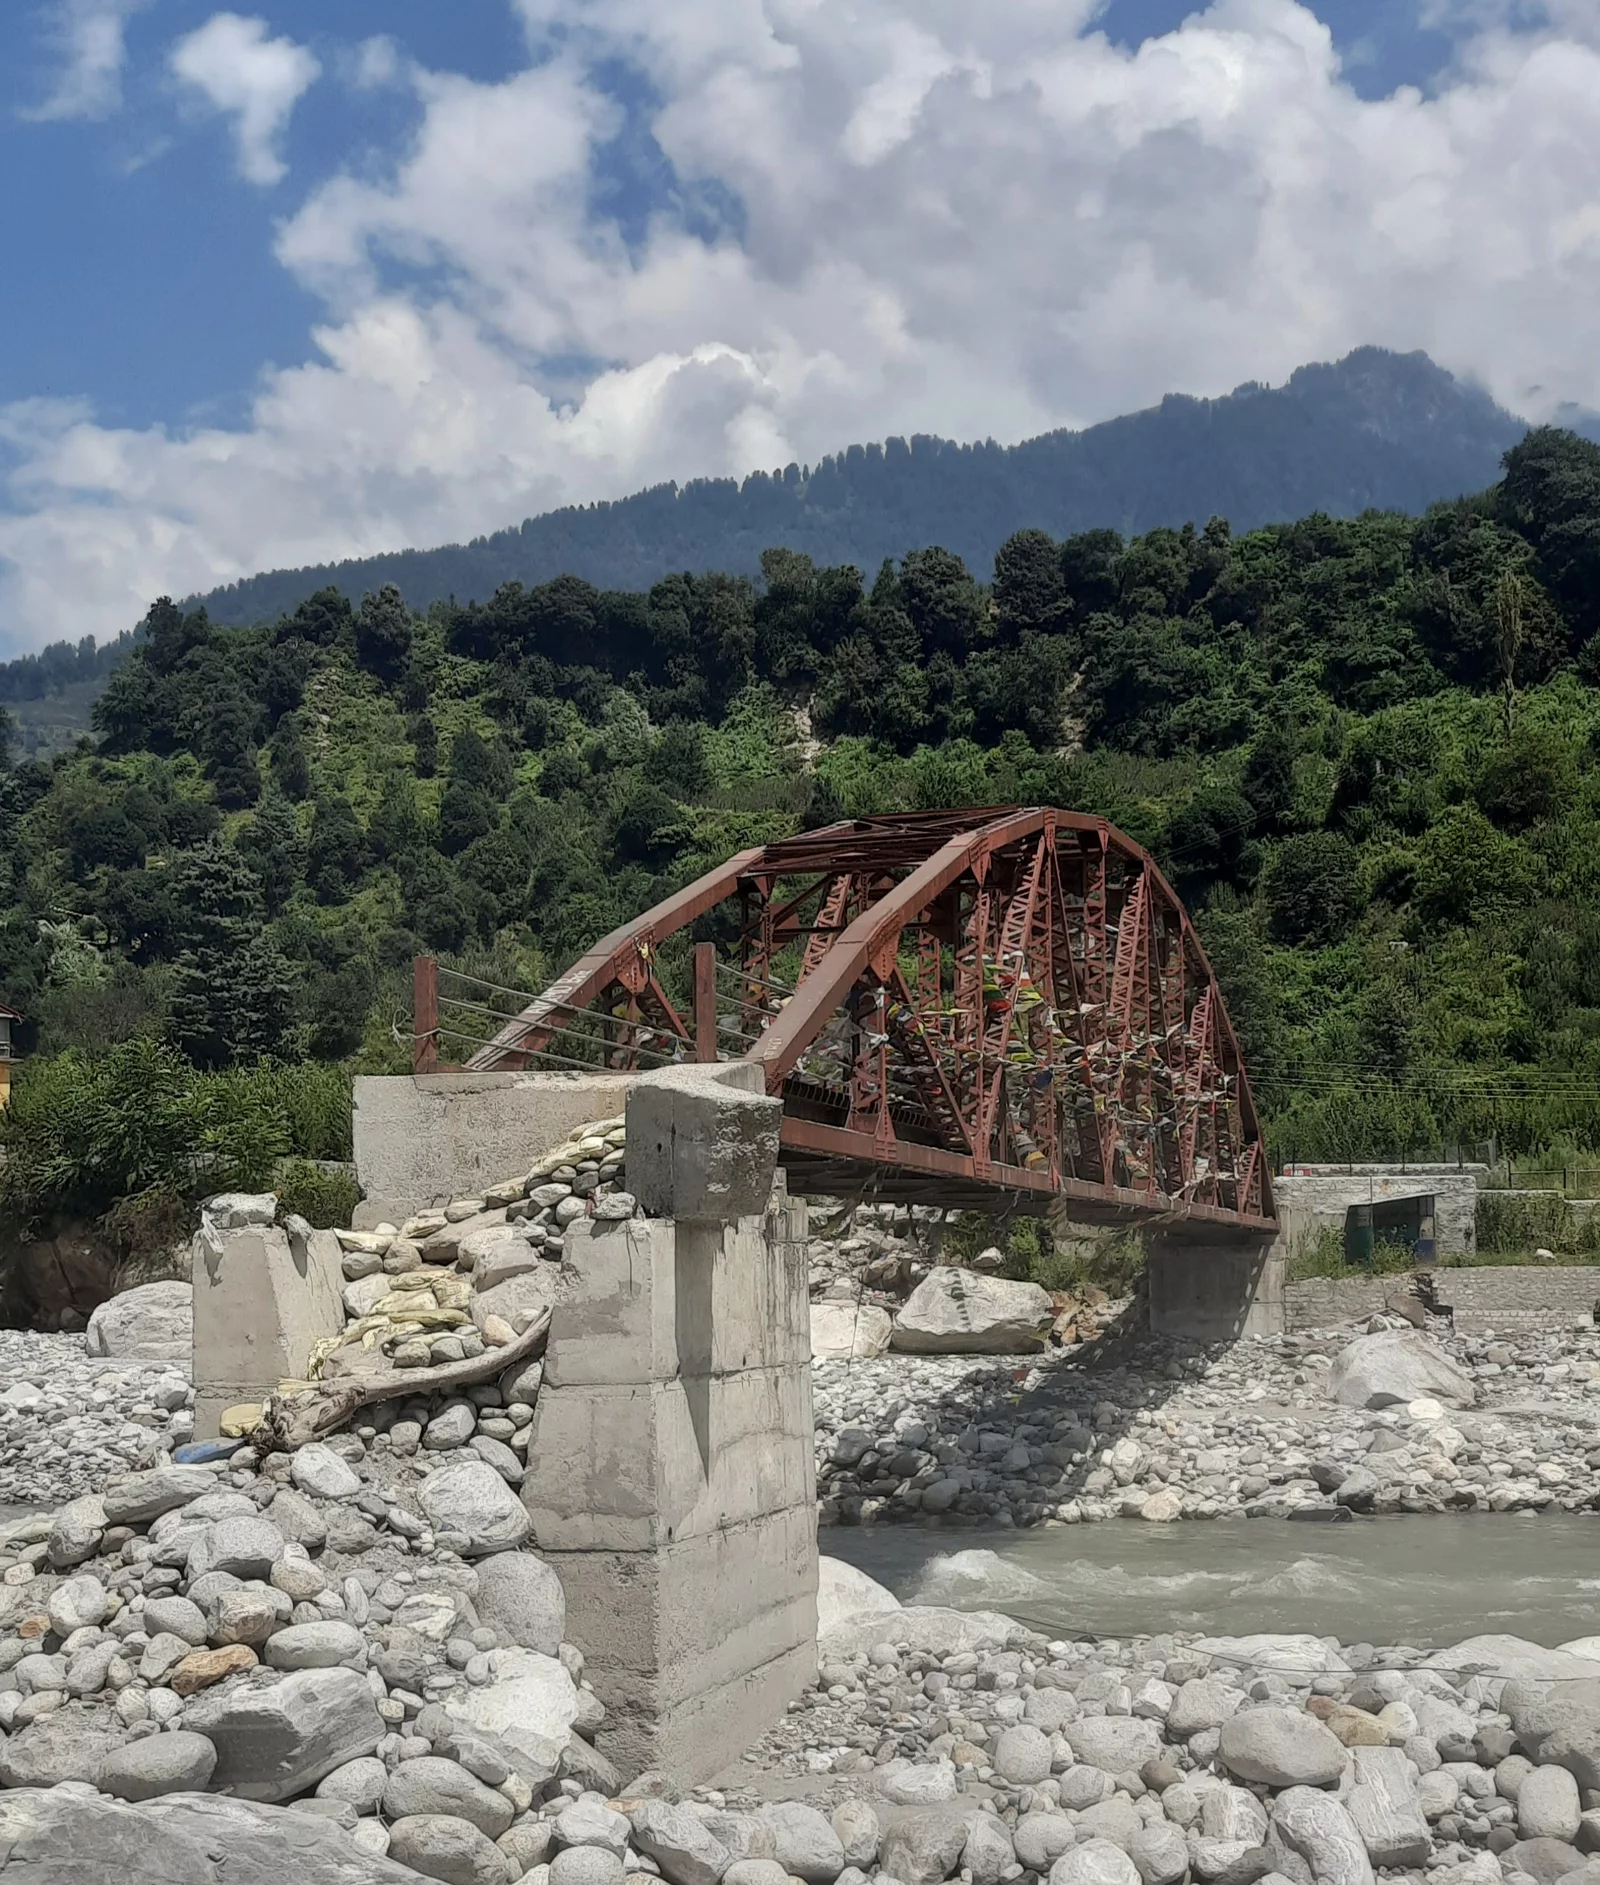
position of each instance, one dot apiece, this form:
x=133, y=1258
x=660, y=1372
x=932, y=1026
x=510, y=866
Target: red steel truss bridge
x=1002, y=1009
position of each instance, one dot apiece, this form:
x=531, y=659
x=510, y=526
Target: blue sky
x=147, y=279
x=292, y=281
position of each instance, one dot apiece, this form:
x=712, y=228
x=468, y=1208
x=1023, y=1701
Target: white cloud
x=259, y=81
x=968, y=220
x=89, y=34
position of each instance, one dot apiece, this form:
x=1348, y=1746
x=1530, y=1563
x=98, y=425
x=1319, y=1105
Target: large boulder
x=276, y=1737
x=154, y=1322
x=848, y=1331
x=927, y=1627
x=1315, y=1826
x=521, y=1600
x=1280, y=1747
x=53, y=1837
x=845, y=1594
x=71, y=1744
x=468, y=1497
x=1396, y=1367
x=962, y=1312
x=529, y=1707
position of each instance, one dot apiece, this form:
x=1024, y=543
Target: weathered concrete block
x=703, y=1142
x=1210, y=1289
x=262, y=1301
x=423, y=1139
x=672, y=1482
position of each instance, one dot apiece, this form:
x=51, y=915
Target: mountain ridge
x=1375, y=430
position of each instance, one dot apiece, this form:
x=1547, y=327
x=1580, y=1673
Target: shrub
x=325, y=1197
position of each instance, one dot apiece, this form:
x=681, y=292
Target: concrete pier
x=671, y=1477
x=1214, y=1290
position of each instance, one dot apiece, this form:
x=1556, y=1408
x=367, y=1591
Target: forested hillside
x=1367, y=752
x=1376, y=431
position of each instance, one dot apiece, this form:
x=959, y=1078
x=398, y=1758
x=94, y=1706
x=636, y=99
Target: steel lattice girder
x=994, y=1005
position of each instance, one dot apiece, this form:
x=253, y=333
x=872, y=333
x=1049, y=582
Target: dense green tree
x=1030, y=585
x=383, y=632
x=336, y=849
x=291, y=766
x=1312, y=887
x=231, y=989
x=270, y=844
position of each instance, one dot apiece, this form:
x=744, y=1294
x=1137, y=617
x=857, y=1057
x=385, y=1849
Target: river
x=1427, y=1581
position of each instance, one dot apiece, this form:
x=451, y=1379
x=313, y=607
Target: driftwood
x=292, y=1420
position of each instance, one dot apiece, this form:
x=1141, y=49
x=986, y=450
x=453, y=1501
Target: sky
x=304, y=282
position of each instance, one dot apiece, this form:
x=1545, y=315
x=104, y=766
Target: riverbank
x=1165, y=1431
x=346, y=1663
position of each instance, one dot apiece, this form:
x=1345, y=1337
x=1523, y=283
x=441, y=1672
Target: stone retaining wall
x=1323, y=1302
x=1543, y=1296
x=1483, y=1298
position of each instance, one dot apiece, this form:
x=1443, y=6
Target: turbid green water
x=1427, y=1581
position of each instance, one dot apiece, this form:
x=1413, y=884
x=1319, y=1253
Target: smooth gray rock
x=328, y=1645
x=154, y=1322
x=586, y=1865
x=1041, y=1838
x=804, y=1843
x=360, y=1783
x=963, y=1312
x=432, y=1786
x=1022, y=1755
x=1160, y=1852
x=859, y=1832
x=244, y=1547
x=1206, y=1702
x=452, y=1850
x=78, y=1603
x=175, y=1616
x=588, y=1823
x=298, y=1519
x=498, y=1455
x=76, y=1531
x=1281, y=1747
x=1397, y=1366
x=469, y=1497
x=924, y=1847
x=987, y=1855
x=1548, y=1806
x=179, y=1762
x=318, y=1471
x=65, y=1838
x=141, y=1498
x=521, y=1600
x=1095, y=1862
x=278, y=1736
x=680, y=1844
x=1316, y=1827
x=1387, y=1813
x=1116, y=1744
x=451, y=1428
x=71, y=1744
x=1545, y=1860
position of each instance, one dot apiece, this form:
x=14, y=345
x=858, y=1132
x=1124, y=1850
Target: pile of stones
x=70, y=1421
x=947, y=1743
x=352, y=1628
x=448, y=1285
x=1161, y=1430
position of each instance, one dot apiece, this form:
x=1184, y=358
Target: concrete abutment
x=671, y=1476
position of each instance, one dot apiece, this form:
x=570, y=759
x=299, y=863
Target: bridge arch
x=995, y=1008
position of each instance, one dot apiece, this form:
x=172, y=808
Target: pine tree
x=230, y=985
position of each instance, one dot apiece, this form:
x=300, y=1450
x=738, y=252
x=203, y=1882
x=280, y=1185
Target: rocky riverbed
x=1164, y=1431
x=344, y=1663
